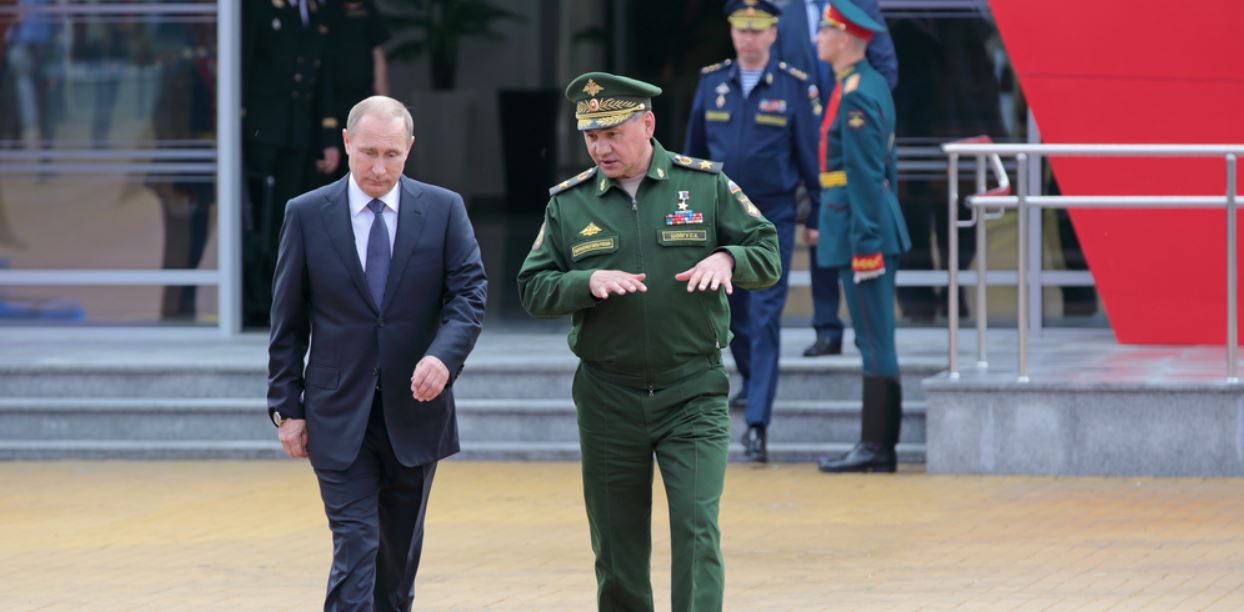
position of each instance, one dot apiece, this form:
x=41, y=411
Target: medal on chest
x=722, y=90
x=684, y=215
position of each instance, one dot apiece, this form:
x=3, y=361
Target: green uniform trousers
x=686, y=426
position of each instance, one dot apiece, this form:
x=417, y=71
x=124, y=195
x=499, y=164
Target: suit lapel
x=336, y=214
x=409, y=228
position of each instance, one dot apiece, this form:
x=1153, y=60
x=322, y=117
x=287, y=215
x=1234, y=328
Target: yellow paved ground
x=512, y=536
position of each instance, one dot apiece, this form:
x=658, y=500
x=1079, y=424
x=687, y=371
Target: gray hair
x=380, y=106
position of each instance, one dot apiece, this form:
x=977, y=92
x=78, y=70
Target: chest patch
x=693, y=236
x=583, y=249
x=721, y=116
x=775, y=120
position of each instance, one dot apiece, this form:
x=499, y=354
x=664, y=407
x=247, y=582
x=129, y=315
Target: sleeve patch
x=744, y=201
x=535, y=246
x=855, y=119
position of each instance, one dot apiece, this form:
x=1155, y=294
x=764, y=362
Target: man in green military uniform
x=641, y=251
x=862, y=230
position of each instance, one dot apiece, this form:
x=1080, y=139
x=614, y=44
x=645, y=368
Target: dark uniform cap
x=603, y=100
x=845, y=16
x=752, y=14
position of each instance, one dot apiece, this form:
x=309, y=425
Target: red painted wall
x=1140, y=71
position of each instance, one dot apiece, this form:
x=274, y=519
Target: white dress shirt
x=362, y=217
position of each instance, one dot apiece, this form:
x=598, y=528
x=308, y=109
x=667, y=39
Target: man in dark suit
x=380, y=275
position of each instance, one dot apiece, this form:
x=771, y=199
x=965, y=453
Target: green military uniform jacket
x=650, y=339
x=860, y=217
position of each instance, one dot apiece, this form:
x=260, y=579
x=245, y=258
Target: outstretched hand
x=710, y=273
x=602, y=283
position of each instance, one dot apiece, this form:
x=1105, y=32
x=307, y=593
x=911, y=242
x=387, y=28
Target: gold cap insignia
x=592, y=88
x=590, y=230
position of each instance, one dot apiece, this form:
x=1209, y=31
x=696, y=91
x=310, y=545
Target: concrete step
x=509, y=451
x=136, y=381
x=824, y=378
x=480, y=420
x=795, y=421
x=801, y=379
x=569, y=451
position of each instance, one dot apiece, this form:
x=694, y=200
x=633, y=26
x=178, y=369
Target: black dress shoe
x=739, y=401
x=754, y=447
x=824, y=346
x=865, y=457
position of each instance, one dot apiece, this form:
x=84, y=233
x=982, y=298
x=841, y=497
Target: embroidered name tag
x=603, y=245
x=684, y=236
x=716, y=115
x=777, y=120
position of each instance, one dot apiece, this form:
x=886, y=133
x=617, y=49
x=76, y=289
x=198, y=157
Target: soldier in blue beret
x=755, y=114
x=862, y=230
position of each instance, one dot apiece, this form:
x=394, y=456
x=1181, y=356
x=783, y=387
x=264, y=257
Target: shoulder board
x=851, y=84
x=793, y=71
x=572, y=181
x=703, y=165
x=716, y=67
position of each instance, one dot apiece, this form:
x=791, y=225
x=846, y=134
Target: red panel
x=1139, y=71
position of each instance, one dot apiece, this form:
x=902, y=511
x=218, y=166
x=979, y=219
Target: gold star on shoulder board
x=660, y=173
x=704, y=163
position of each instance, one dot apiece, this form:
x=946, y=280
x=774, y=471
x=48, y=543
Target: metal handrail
x=984, y=199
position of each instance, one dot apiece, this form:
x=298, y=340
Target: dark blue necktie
x=378, y=253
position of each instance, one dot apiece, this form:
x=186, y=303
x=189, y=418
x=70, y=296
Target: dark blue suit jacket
x=433, y=305
x=794, y=46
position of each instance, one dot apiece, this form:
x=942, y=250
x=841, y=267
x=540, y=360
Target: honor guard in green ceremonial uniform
x=641, y=250
x=862, y=230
